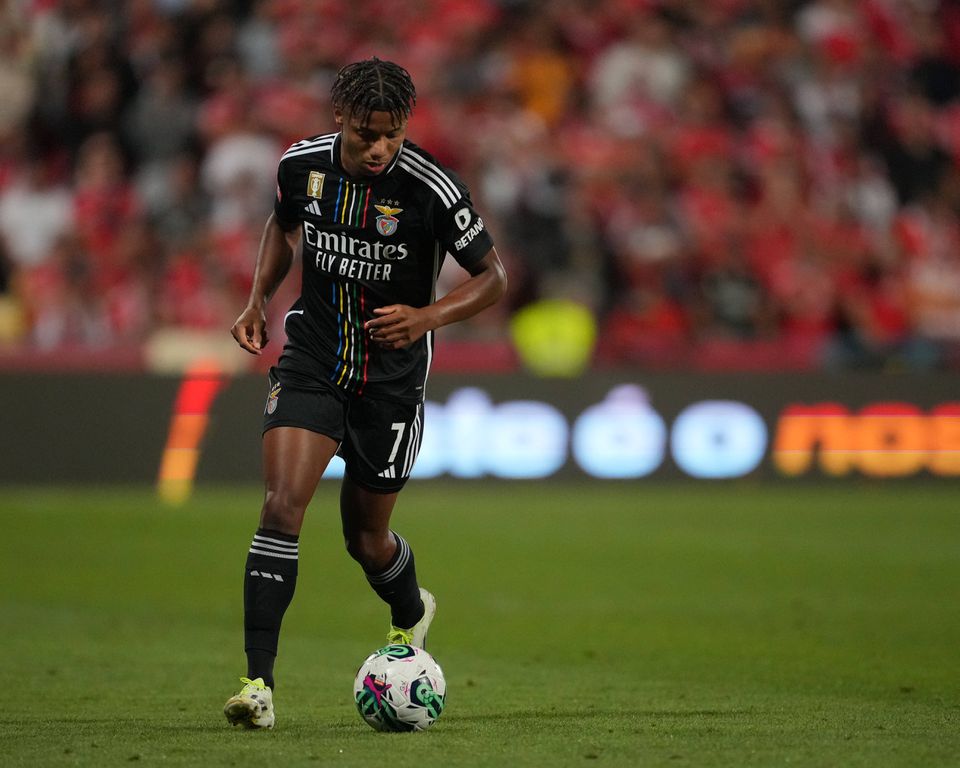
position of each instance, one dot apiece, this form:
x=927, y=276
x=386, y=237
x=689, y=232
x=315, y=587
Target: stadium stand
x=724, y=184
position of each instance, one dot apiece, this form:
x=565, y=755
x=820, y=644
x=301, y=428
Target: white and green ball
x=400, y=688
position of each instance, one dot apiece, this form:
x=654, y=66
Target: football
x=400, y=688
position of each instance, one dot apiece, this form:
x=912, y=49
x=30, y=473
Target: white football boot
x=417, y=634
x=252, y=707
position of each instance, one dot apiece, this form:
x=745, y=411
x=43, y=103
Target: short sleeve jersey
x=368, y=243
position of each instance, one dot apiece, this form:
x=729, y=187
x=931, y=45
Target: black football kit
x=366, y=243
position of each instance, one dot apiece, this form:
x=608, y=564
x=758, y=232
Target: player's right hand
x=250, y=330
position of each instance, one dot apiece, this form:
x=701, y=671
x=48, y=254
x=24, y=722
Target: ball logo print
x=423, y=694
x=400, y=688
x=396, y=652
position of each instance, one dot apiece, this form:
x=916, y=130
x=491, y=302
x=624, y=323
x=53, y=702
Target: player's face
x=367, y=148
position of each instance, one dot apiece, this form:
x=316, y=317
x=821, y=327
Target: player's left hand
x=397, y=326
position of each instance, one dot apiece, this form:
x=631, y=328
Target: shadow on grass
x=588, y=714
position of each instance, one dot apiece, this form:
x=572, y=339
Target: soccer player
x=374, y=216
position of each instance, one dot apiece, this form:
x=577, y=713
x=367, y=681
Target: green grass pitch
x=583, y=624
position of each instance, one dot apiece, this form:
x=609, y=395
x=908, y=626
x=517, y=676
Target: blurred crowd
x=775, y=180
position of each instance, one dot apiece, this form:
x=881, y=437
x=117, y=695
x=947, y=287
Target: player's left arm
x=399, y=325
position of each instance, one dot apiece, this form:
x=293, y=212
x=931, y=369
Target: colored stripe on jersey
x=353, y=201
x=352, y=353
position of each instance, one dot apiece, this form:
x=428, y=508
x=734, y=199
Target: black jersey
x=367, y=243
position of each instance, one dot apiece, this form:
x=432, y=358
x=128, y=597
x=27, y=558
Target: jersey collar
x=335, y=159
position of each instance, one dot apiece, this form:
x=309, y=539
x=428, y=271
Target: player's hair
x=374, y=85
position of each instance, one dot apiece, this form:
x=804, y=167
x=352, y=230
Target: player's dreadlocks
x=374, y=85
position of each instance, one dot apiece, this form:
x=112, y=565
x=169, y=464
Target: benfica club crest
x=273, y=399
x=387, y=221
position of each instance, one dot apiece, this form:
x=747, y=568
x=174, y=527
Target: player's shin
x=270, y=578
x=397, y=585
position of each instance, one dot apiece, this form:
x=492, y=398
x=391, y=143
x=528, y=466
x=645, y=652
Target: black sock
x=270, y=578
x=397, y=586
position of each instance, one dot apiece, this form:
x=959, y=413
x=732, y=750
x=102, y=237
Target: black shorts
x=379, y=440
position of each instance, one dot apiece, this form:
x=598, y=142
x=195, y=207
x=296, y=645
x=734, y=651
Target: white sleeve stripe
x=304, y=143
x=316, y=140
x=434, y=171
x=306, y=150
x=447, y=201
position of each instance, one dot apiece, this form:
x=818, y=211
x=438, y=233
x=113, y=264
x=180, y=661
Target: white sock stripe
x=402, y=559
x=266, y=541
x=271, y=548
x=274, y=550
x=275, y=547
x=255, y=551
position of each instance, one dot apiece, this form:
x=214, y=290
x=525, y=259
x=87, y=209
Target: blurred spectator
x=645, y=65
x=539, y=69
x=17, y=94
x=62, y=304
x=177, y=205
x=105, y=201
x=258, y=41
x=161, y=101
x=929, y=239
x=36, y=209
x=100, y=80
x=191, y=293
x=916, y=160
x=934, y=72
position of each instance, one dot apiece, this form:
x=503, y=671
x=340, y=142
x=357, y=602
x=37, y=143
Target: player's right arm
x=273, y=262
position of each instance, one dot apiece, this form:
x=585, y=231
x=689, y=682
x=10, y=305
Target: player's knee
x=282, y=512
x=371, y=550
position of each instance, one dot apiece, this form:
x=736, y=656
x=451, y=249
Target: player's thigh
x=294, y=460
x=381, y=442
x=302, y=430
